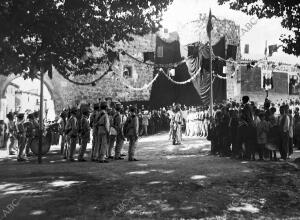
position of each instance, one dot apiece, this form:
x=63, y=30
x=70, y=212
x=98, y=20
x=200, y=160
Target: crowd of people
x=104, y=125
x=240, y=130
x=244, y=130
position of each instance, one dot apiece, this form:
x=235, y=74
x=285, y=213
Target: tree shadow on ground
x=183, y=184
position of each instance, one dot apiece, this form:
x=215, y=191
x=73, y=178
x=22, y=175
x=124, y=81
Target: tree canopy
x=288, y=10
x=36, y=34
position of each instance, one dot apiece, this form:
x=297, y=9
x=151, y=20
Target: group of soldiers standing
x=109, y=127
x=197, y=121
x=21, y=130
x=191, y=120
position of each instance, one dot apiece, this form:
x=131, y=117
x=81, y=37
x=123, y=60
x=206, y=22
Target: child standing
x=263, y=128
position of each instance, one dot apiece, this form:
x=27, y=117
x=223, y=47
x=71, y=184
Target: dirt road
x=169, y=182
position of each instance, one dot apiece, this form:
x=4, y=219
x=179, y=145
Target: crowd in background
x=241, y=130
x=245, y=130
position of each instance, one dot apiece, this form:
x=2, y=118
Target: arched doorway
x=19, y=95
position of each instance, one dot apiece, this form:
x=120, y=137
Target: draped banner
x=202, y=82
x=164, y=92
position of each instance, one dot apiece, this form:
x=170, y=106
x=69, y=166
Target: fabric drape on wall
x=202, y=82
x=164, y=92
x=219, y=85
x=185, y=94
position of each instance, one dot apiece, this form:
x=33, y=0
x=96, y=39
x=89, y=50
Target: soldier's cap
x=96, y=106
x=10, y=115
x=73, y=110
x=36, y=114
x=85, y=110
x=132, y=108
x=118, y=105
x=20, y=115
x=103, y=104
x=63, y=113
x=30, y=116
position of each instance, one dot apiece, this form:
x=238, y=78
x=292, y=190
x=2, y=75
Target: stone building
x=127, y=70
x=248, y=81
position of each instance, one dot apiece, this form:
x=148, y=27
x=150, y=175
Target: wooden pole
x=211, y=77
x=41, y=117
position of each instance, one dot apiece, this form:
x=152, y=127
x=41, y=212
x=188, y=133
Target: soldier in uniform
x=20, y=136
x=118, y=125
x=178, y=120
x=36, y=125
x=94, y=127
x=11, y=133
x=206, y=121
x=112, y=131
x=72, y=132
x=3, y=131
x=29, y=128
x=133, y=133
x=61, y=130
x=201, y=122
x=36, y=116
x=103, y=132
x=84, y=133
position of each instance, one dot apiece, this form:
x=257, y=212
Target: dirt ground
x=169, y=182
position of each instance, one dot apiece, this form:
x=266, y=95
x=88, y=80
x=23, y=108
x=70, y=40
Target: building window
x=127, y=72
x=149, y=56
x=160, y=51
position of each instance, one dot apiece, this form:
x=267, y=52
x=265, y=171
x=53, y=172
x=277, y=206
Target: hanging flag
x=272, y=49
x=209, y=26
x=268, y=83
x=246, y=49
x=266, y=49
x=231, y=51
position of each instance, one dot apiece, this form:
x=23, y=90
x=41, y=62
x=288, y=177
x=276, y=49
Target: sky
x=180, y=12
x=29, y=85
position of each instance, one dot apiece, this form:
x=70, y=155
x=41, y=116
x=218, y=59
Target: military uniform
x=112, y=134
x=94, y=127
x=206, y=122
x=61, y=131
x=178, y=121
x=29, y=129
x=3, y=130
x=118, y=125
x=72, y=133
x=11, y=133
x=84, y=134
x=133, y=133
x=103, y=132
x=20, y=136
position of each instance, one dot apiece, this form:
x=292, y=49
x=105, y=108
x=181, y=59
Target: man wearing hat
x=29, y=135
x=133, y=132
x=61, y=130
x=117, y=124
x=112, y=130
x=36, y=125
x=94, y=127
x=72, y=132
x=11, y=132
x=20, y=136
x=3, y=130
x=103, y=132
x=84, y=132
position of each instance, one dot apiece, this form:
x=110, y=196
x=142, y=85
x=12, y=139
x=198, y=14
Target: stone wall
x=110, y=85
x=66, y=94
x=249, y=82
